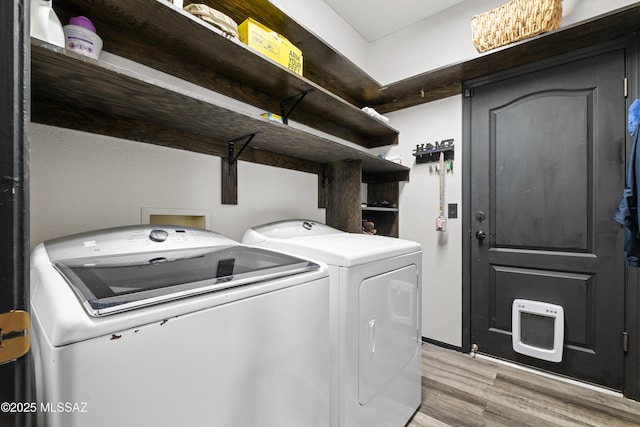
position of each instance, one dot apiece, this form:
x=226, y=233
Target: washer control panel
x=133, y=239
x=158, y=235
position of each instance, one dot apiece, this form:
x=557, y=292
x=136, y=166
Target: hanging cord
x=441, y=172
x=441, y=220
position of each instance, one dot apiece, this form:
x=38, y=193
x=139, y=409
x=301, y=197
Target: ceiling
x=375, y=19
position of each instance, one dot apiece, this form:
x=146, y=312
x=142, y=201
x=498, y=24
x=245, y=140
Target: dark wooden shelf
x=374, y=209
x=323, y=65
x=73, y=91
x=386, y=219
x=161, y=36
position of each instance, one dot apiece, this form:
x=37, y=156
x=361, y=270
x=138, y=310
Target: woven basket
x=514, y=21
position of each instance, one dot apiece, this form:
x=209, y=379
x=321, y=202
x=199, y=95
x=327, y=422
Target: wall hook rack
x=431, y=152
x=231, y=144
x=283, y=104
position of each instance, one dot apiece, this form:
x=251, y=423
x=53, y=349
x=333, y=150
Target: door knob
x=481, y=235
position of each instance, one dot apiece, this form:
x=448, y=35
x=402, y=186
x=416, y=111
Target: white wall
x=319, y=19
x=81, y=182
x=440, y=40
x=420, y=205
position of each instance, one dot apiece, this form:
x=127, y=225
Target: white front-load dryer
x=375, y=310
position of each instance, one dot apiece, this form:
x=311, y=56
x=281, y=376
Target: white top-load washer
x=171, y=326
x=375, y=318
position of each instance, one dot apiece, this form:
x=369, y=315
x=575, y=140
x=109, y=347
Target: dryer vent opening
x=194, y=218
x=195, y=221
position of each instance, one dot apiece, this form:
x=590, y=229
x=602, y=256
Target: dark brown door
x=546, y=174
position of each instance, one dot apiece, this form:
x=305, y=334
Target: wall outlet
x=452, y=210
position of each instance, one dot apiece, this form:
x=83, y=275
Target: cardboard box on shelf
x=271, y=44
x=272, y=117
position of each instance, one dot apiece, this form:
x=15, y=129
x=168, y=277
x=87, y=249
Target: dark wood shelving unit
x=323, y=65
x=157, y=34
x=385, y=218
x=73, y=91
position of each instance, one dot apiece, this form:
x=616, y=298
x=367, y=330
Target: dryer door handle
x=372, y=337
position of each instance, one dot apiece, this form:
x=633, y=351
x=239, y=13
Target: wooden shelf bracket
x=230, y=169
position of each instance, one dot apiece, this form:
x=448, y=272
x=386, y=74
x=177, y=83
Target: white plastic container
x=45, y=24
x=81, y=37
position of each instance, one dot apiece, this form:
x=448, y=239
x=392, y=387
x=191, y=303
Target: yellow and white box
x=273, y=117
x=271, y=44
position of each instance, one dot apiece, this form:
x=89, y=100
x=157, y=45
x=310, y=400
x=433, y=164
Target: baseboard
x=442, y=344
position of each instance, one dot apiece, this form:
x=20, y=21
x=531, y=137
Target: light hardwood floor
x=458, y=390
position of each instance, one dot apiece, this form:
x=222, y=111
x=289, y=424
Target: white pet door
x=538, y=329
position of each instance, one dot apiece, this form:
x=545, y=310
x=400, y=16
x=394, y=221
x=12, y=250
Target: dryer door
x=387, y=328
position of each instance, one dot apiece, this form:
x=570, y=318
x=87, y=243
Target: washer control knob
x=158, y=235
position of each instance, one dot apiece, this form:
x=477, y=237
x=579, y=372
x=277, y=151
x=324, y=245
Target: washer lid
x=116, y=283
